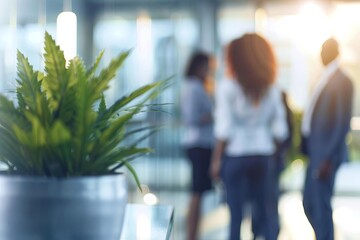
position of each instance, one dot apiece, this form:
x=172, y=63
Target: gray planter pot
x=81, y=208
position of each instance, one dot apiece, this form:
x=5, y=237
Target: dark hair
x=197, y=63
x=253, y=64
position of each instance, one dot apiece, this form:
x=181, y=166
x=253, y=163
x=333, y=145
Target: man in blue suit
x=325, y=125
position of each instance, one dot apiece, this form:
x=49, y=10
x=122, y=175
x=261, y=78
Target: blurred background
x=162, y=34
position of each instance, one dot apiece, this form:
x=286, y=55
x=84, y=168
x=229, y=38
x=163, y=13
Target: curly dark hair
x=253, y=64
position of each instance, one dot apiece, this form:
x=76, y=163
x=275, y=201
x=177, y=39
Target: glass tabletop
x=144, y=222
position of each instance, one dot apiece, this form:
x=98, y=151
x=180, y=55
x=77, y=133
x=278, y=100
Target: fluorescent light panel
x=66, y=34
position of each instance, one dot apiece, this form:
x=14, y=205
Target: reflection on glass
x=143, y=226
x=161, y=44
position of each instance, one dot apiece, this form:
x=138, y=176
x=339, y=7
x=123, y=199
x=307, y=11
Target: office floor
x=294, y=225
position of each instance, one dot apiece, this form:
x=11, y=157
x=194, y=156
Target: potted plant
x=63, y=146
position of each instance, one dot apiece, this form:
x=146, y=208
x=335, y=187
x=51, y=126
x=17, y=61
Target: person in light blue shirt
x=198, y=139
x=249, y=119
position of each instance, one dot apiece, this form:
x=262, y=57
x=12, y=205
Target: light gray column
x=86, y=23
x=206, y=13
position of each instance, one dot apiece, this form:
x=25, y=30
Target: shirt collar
x=331, y=67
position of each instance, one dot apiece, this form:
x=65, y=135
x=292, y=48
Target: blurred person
x=249, y=115
x=197, y=108
x=273, y=190
x=324, y=128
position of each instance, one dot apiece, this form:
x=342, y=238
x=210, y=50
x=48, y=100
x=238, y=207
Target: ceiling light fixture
x=66, y=31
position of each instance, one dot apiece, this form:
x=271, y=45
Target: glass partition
x=160, y=45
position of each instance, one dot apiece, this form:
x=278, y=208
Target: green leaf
x=92, y=70
x=23, y=136
x=10, y=151
x=116, y=125
x=144, y=136
x=102, y=106
x=119, y=156
x=56, y=78
x=25, y=70
x=100, y=84
x=135, y=95
x=76, y=71
x=68, y=107
x=133, y=172
x=10, y=115
x=84, y=120
x=29, y=86
x=59, y=134
x=35, y=138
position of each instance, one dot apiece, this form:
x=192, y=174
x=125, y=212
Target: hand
x=325, y=170
x=215, y=169
x=216, y=159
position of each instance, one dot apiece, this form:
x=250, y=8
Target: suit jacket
x=330, y=122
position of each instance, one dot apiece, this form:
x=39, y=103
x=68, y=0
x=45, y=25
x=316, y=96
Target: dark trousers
x=317, y=204
x=273, y=192
x=244, y=178
x=258, y=222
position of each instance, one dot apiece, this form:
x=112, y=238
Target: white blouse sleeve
x=279, y=126
x=223, y=113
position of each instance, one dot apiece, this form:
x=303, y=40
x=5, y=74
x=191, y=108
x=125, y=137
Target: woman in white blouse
x=249, y=119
